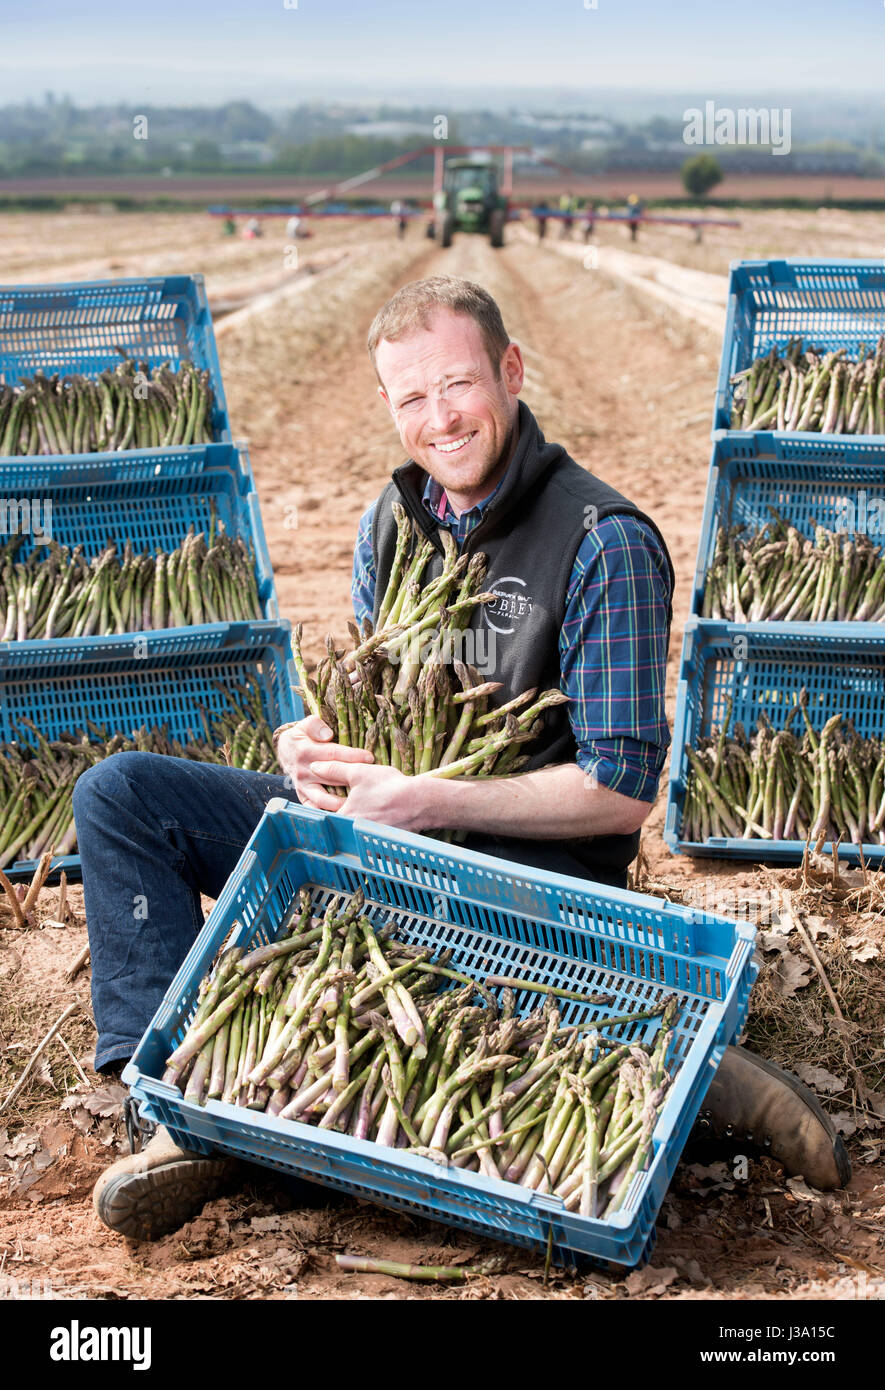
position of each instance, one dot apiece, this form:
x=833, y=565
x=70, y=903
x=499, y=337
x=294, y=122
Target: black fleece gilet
x=531, y=533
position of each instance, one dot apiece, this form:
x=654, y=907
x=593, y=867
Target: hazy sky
x=194, y=51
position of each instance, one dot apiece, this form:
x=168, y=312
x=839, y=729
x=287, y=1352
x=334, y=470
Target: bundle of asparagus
x=37, y=778
x=779, y=786
x=342, y=1025
x=392, y=692
x=131, y=407
x=58, y=593
x=812, y=391
x=777, y=573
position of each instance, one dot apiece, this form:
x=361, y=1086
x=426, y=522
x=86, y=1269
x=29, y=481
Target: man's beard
x=488, y=469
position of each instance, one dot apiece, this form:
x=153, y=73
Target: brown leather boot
x=754, y=1104
x=148, y=1194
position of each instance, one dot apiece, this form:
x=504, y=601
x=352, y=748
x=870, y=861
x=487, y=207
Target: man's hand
x=379, y=793
x=551, y=803
x=307, y=742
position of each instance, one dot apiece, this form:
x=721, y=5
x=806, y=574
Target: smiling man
x=583, y=584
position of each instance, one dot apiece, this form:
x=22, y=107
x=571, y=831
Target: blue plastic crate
x=77, y=327
x=762, y=667
x=148, y=497
x=840, y=482
x=122, y=683
x=496, y=917
x=828, y=303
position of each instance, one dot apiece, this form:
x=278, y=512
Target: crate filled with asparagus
x=196, y=695
x=776, y=573
x=132, y=406
x=343, y=1025
x=789, y=783
x=800, y=388
x=803, y=347
x=110, y=364
x=399, y=689
x=129, y=544
x=793, y=530
x=465, y=1040
x=778, y=742
x=56, y=592
x=37, y=774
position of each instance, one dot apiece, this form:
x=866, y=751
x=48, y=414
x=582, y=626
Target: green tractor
x=469, y=201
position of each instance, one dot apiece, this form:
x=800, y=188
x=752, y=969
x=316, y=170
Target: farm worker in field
x=398, y=210
x=229, y=227
x=292, y=225
x=583, y=591
x=589, y=221
x=252, y=229
x=567, y=208
x=542, y=213
x=634, y=213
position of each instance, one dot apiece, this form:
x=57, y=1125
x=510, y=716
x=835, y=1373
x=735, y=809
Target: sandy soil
x=627, y=387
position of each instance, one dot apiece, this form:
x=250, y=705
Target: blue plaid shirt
x=612, y=644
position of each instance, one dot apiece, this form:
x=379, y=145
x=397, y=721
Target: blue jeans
x=154, y=833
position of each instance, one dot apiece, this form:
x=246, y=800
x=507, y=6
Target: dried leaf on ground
x=35, y=1166
x=692, y=1271
x=107, y=1132
x=799, y=1188
x=55, y=1137
x=650, y=1280
x=862, y=948
x=772, y=941
x=792, y=973
x=845, y=1123
x=705, y=1178
x=98, y=1110
x=99, y=1103
x=42, y=1072
x=24, y=1143
x=819, y=1079
x=819, y=926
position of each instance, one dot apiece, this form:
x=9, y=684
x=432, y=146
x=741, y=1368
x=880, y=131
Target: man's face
x=454, y=415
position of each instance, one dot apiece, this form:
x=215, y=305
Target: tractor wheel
x=445, y=228
x=496, y=227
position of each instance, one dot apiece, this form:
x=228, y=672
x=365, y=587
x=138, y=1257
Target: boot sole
x=146, y=1206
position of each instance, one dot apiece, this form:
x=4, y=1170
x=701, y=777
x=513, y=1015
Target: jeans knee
x=114, y=781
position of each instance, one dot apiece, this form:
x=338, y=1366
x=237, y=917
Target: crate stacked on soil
x=137, y=604
x=108, y=365
x=778, y=739
x=131, y=544
x=214, y=695
x=791, y=551
x=489, y=1090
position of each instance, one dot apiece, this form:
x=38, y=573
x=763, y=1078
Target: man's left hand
x=379, y=793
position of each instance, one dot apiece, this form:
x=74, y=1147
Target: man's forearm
x=553, y=803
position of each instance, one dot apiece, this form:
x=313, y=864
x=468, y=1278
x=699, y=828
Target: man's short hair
x=413, y=306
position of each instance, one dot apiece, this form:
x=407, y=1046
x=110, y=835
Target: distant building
x=388, y=130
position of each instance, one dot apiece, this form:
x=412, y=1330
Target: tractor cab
x=470, y=201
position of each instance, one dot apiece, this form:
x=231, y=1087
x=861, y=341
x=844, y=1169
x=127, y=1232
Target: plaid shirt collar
x=437, y=503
